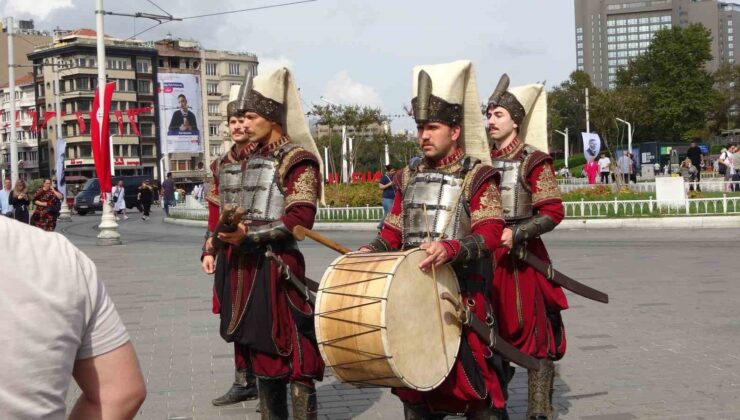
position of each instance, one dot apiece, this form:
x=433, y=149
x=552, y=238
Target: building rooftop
x=26, y=79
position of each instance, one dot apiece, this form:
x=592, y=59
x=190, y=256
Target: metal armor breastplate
x=446, y=216
x=516, y=199
x=262, y=197
x=230, y=184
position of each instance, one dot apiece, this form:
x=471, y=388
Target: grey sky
x=357, y=51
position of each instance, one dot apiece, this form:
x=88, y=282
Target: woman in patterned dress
x=45, y=216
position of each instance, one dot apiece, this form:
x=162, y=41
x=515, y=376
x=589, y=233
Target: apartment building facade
x=610, y=33
x=28, y=162
x=132, y=66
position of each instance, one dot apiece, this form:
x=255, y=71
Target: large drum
x=380, y=320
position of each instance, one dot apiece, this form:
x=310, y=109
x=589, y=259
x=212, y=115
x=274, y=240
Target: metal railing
x=649, y=187
x=324, y=214
x=647, y=208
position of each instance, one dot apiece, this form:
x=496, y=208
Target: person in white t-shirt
x=604, y=164
x=58, y=323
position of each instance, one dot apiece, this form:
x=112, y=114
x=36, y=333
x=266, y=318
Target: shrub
x=354, y=195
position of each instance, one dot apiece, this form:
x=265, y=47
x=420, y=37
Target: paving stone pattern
x=666, y=347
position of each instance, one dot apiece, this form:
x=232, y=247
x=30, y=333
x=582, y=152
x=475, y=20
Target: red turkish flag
x=119, y=118
x=81, y=122
x=35, y=121
x=48, y=116
x=101, y=143
x=132, y=113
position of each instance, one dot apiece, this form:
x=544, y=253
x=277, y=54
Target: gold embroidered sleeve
x=304, y=189
x=212, y=197
x=546, y=187
x=488, y=206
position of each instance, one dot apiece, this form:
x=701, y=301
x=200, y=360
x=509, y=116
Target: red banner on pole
x=99, y=124
x=81, y=122
x=132, y=113
x=119, y=118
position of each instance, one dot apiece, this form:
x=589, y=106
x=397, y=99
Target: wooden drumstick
x=238, y=215
x=436, y=289
x=300, y=233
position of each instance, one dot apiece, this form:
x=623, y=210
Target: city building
x=222, y=69
x=28, y=161
x=131, y=64
x=26, y=38
x=610, y=33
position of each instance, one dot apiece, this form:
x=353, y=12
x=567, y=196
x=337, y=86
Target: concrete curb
x=690, y=222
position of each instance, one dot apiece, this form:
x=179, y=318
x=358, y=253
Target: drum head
x=422, y=330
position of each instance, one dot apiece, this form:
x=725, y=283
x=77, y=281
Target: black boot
x=273, y=399
x=303, y=397
x=419, y=412
x=540, y=391
x=487, y=414
x=243, y=389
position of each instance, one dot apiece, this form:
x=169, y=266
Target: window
x=234, y=69
x=634, y=45
x=655, y=19
x=175, y=62
x=666, y=18
x=666, y=26
x=611, y=38
x=215, y=150
x=729, y=30
x=644, y=20
x=612, y=54
x=632, y=21
x=580, y=53
x=146, y=129
x=213, y=130
x=142, y=66
x=645, y=36
x=580, y=60
x=579, y=37
x=634, y=53
x=644, y=44
x=580, y=68
x=147, y=150
x=612, y=47
x=212, y=88
x=611, y=31
x=621, y=30
x=730, y=38
x=144, y=86
x=212, y=108
x=210, y=69
x=579, y=30
x=729, y=23
x=622, y=62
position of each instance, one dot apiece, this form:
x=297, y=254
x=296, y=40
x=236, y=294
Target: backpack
x=721, y=167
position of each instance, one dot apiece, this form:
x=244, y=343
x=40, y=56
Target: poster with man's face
x=591, y=145
x=180, y=112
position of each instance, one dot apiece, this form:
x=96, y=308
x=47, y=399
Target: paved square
x=667, y=346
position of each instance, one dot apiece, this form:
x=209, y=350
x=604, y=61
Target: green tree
x=567, y=105
x=672, y=77
x=726, y=110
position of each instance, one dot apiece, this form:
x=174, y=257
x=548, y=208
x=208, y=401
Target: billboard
x=591, y=145
x=180, y=116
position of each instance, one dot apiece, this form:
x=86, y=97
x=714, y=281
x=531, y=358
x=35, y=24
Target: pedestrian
x=624, y=165
x=145, y=196
x=20, y=201
x=59, y=323
x=688, y=172
x=591, y=169
x=474, y=386
x=697, y=159
x=724, y=166
x=168, y=194
x=735, y=160
x=528, y=305
x=118, y=198
x=656, y=168
x=633, y=175
x=604, y=165
x=6, y=208
x=388, y=192
x=48, y=204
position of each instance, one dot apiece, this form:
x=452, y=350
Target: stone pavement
x=667, y=346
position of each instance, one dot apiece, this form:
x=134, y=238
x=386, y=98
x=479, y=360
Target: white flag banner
x=59, y=156
x=591, y=145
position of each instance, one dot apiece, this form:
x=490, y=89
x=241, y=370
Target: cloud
x=40, y=9
x=268, y=63
x=341, y=88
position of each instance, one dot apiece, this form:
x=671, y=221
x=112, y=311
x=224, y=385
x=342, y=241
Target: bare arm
x=112, y=386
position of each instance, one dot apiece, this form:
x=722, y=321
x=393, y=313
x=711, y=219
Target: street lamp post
x=565, y=145
x=345, y=175
x=108, y=227
x=629, y=134
x=11, y=88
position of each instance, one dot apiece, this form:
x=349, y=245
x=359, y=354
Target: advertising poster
x=180, y=116
x=591, y=145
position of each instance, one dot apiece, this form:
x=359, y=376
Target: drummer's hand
x=436, y=255
x=507, y=238
x=208, y=264
x=236, y=237
x=364, y=250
